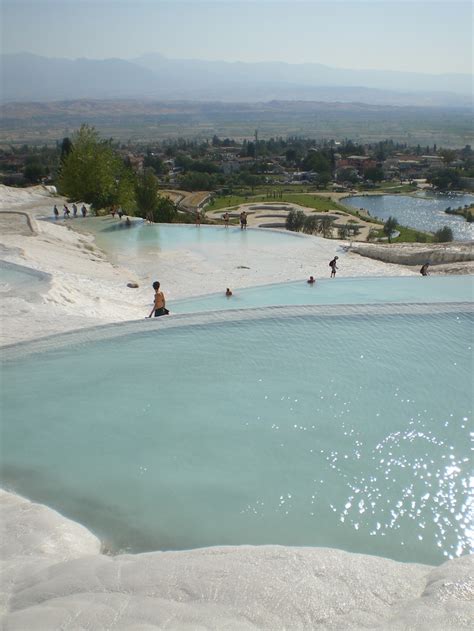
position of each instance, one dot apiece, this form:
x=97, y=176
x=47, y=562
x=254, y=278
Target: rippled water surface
x=421, y=212
x=345, y=431
x=340, y=291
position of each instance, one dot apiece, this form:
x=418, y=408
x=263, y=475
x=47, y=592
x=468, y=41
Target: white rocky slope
x=55, y=578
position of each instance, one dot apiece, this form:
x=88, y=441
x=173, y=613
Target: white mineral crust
x=54, y=578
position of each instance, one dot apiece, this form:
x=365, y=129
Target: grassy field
x=147, y=121
x=309, y=200
x=407, y=235
x=312, y=201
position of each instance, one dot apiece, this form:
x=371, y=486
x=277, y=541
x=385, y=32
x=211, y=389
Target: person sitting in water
x=159, y=305
x=228, y=293
x=127, y=221
x=424, y=270
x=311, y=280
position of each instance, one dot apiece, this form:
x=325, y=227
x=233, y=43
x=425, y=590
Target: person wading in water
x=159, y=305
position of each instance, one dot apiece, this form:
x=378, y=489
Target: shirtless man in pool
x=159, y=306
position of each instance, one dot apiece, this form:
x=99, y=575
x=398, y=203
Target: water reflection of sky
x=423, y=212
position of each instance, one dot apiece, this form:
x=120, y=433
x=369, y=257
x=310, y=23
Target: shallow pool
x=19, y=281
x=345, y=427
x=114, y=236
x=337, y=291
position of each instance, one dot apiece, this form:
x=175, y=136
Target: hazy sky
x=434, y=36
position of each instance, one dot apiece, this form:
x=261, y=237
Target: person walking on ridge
x=333, y=266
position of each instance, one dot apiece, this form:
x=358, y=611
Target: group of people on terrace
x=225, y=218
x=67, y=212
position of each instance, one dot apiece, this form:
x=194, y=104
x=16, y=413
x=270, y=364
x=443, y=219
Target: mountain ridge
x=28, y=77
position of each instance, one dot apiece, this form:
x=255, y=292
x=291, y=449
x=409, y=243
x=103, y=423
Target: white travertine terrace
x=53, y=573
x=54, y=578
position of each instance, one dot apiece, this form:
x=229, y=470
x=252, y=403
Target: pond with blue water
x=424, y=212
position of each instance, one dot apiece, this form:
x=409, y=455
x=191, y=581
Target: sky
x=433, y=37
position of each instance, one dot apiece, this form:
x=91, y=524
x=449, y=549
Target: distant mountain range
x=27, y=77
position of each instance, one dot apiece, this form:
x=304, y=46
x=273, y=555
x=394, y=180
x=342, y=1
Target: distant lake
x=424, y=212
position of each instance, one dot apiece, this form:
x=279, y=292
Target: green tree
x=448, y=156
x=444, y=179
x=312, y=224
x=326, y=226
x=347, y=174
x=146, y=195
x=66, y=148
x=34, y=170
x=317, y=161
x=295, y=220
x=291, y=155
x=91, y=172
x=443, y=235
x=194, y=181
x=154, y=162
x=125, y=194
x=390, y=226
x=375, y=174
x=165, y=211
x=343, y=231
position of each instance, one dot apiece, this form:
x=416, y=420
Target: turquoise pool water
x=422, y=212
x=115, y=236
x=346, y=428
x=20, y=281
x=338, y=291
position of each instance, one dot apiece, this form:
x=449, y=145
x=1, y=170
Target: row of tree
x=298, y=221
x=91, y=171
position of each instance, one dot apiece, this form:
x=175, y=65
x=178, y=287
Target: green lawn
x=310, y=200
x=313, y=201
x=410, y=235
x=407, y=235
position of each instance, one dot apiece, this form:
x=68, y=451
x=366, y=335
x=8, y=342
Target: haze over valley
x=28, y=77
